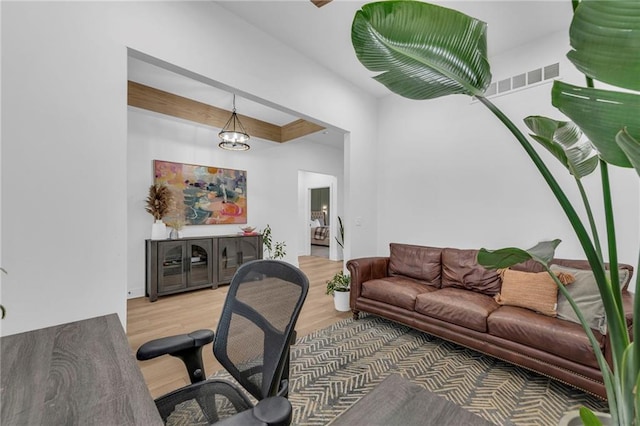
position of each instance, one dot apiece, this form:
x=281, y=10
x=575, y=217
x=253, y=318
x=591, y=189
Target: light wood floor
x=191, y=311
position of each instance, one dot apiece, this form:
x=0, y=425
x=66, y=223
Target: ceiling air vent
x=552, y=71
x=534, y=76
x=524, y=80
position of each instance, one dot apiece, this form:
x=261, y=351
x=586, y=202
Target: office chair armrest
x=187, y=347
x=174, y=344
x=272, y=411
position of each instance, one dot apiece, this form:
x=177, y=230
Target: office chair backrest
x=258, y=319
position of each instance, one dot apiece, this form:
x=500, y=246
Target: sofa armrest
x=365, y=269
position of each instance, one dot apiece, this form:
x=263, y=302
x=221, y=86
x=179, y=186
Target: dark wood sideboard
x=79, y=373
x=185, y=264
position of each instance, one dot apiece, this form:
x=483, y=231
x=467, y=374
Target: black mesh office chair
x=252, y=341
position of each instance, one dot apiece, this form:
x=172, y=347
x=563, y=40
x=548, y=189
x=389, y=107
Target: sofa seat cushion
x=559, y=337
x=461, y=307
x=397, y=291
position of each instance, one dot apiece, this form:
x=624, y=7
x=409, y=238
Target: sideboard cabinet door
x=172, y=274
x=174, y=266
x=200, y=257
x=233, y=252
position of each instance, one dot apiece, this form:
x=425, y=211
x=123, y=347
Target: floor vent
x=524, y=80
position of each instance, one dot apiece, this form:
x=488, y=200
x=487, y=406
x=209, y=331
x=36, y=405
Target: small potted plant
x=338, y=287
x=274, y=250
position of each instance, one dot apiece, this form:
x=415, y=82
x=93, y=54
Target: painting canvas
x=210, y=195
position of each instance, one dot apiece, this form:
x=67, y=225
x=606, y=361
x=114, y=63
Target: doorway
x=318, y=215
x=320, y=224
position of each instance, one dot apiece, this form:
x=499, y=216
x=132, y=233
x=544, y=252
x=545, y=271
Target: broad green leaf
x=588, y=418
x=423, y=51
x=600, y=114
x=563, y=140
x=503, y=258
x=631, y=147
x=605, y=36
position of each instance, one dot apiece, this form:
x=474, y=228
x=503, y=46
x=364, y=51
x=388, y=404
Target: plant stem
x=592, y=223
x=636, y=329
x=611, y=237
x=614, y=286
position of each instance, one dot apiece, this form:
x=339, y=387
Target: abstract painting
x=210, y=195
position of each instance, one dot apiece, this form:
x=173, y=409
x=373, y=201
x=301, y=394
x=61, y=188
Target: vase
x=572, y=418
x=341, y=300
x=158, y=230
x=174, y=234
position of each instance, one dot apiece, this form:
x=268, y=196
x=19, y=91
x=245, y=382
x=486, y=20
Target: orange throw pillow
x=531, y=290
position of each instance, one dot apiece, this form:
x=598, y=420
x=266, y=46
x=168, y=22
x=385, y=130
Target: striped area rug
x=333, y=368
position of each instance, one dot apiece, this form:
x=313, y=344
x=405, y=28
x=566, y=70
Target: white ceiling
x=323, y=35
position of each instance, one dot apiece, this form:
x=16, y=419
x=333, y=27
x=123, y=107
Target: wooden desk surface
x=80, y=373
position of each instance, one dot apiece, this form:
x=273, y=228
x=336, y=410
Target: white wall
x=64, y=139
x=272, y=188
x=63, y=166
x=464, y=181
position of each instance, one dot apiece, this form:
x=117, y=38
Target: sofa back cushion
x=626, y=270
x=418, y=262
x=584, y=291
x=531, y=290
x=460, y=269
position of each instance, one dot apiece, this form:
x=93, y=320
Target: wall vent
x=523, y=81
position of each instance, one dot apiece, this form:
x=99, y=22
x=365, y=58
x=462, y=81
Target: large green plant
x=423, y=51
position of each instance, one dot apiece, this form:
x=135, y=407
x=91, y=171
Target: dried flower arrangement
x=158, y=201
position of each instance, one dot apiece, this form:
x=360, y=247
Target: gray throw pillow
x=584, y=292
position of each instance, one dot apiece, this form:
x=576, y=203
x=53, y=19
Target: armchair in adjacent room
x=252, y=342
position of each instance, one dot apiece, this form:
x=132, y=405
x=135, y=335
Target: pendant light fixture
x=233, y=135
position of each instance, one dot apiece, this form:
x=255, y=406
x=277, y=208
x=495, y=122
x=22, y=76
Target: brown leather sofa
x=444, y=292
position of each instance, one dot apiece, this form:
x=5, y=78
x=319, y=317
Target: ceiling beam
x=320, y=3
x=299, y=128
x=156, y=100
